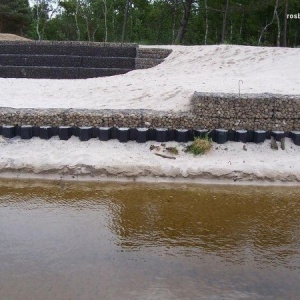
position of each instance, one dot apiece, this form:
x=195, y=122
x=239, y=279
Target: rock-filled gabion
x=65, y=60
x=67, y=48
x=103, y=118
x=209, y=111
x=74, y=60
x=150, y=57
x=247, y=111
x=67, y=43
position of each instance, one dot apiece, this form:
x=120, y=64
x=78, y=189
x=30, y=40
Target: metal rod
x=240, y=81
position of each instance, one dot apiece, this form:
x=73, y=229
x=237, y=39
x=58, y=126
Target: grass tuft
x=200, y=145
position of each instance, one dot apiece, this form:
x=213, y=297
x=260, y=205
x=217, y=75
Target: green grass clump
x=200, y=145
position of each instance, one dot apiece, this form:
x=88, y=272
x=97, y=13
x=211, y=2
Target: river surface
x=148, y=241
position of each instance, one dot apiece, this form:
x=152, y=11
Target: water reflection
x=119, y=241
x=222, y=221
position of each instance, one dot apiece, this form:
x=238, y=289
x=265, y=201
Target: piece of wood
x=165, y=156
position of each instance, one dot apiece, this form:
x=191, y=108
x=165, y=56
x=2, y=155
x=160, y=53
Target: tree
x=187, y=8
x=285, y=23
x=270, y=23
x=43, y=12
x=15, y=16
x=225, y=21
x=187, y=22
x=125, y=20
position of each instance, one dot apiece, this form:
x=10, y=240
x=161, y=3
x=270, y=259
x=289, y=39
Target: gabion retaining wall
x=211, y=111
x=247, y=111
x=56, y=48
x=74, y=60
x=107, y=118
x=150, y=57
x=101, y=44
x=245, y=118
x=58, y=72
x=65, y=60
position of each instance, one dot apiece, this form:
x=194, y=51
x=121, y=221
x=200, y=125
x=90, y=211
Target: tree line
x=189, y=22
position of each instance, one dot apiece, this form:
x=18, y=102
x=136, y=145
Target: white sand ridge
x=168, y=86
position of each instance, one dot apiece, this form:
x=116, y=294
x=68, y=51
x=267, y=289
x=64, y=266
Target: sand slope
x=11, y=37
x=168, y=86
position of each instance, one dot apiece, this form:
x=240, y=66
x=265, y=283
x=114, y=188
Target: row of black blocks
x=66, y=61
x=142, y=135
x=58, y=72
x=67, y=49
x=221, y=136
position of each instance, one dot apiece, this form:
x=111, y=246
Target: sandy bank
x=96, y=160
x=168, y=86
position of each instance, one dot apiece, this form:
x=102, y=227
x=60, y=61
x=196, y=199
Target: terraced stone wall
x=65, y=60
x=74, y=60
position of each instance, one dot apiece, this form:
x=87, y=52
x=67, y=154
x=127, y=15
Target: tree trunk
x=278, y=32
x=206, y=23
x=87, y=26
x=231, y=30
x=38, y=19
x=187, y=6
x=94, y=32
x=105, y=20
x=224, y=22
x=125, y=21
x=76, y=20
x=265, y=28
x=174, y=21
x=285, y=23
x=241, y=25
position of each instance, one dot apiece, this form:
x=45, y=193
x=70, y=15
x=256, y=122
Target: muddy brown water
x=148, y=241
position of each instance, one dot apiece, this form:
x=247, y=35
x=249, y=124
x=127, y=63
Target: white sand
x=96, y=160
x=168, y=86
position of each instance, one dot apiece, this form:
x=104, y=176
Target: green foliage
x=15, y=16
x=154, y=22
x=200, y=145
